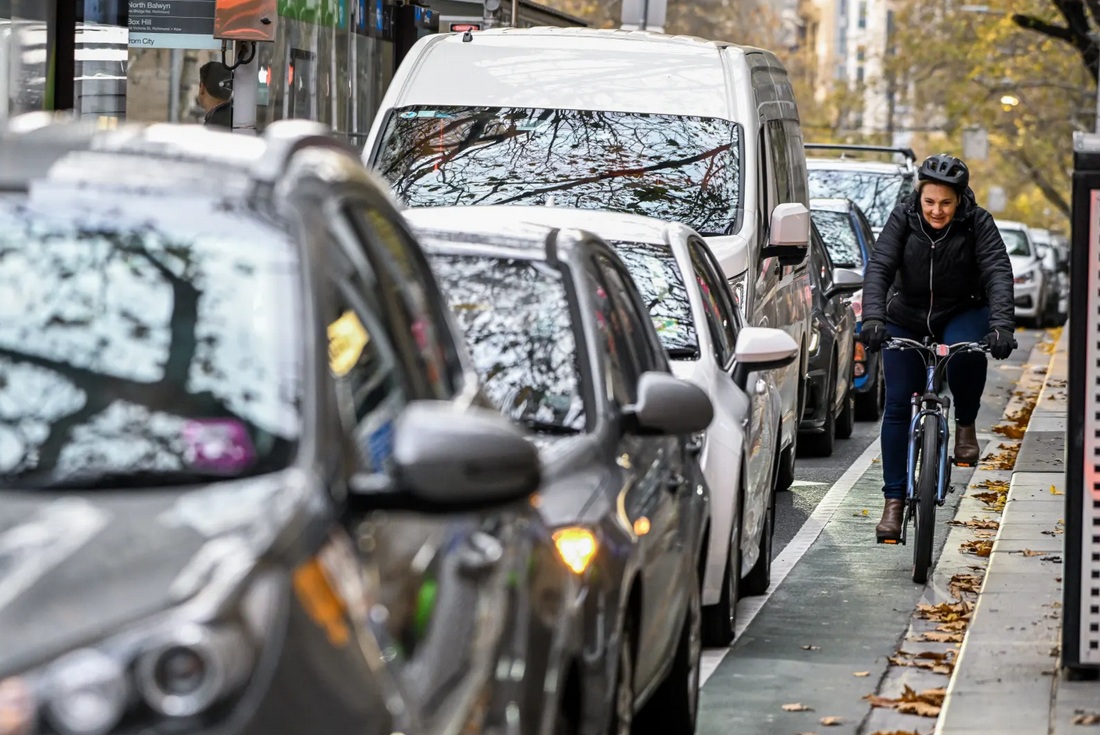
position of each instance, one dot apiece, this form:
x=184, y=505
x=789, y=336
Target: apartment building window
x=863, y=14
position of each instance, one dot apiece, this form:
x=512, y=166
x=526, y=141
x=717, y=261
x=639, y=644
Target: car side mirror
x=845, y=281
x=447, y=459
x=789, y=234
x=759, y=349
x=668, y=405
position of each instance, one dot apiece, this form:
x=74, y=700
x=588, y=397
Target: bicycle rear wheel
x=924, y=515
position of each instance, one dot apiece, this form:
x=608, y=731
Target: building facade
x=330, y=60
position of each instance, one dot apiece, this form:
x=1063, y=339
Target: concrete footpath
x=1007, y=679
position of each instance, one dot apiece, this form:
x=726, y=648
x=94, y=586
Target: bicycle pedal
x=960, y=463
x=890, y=541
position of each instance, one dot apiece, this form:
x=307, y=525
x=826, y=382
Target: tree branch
x=1037, y=176
x=1031, y=23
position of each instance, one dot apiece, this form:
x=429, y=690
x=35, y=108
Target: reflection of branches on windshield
x=616, y=174
x=677, y=168
x=100, y=389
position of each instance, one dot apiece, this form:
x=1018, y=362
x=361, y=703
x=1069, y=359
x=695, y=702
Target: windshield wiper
x=546, y=427
x=683, y=353
x=112, y=480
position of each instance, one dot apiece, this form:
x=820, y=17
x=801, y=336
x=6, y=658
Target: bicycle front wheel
x=924, y=514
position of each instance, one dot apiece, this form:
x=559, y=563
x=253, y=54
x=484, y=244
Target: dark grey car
x=227, y=382
x=830, y=400
x=566, y=347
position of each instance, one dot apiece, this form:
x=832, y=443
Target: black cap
x=217, y=78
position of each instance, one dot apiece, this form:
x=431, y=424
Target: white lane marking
x=748, y=608
x=807, y=483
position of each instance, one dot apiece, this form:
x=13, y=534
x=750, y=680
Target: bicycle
x=928, y=476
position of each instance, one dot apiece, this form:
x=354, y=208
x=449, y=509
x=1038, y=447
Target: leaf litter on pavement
x=911, y=702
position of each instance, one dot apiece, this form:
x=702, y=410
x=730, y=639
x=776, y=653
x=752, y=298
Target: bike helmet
x=945, y=169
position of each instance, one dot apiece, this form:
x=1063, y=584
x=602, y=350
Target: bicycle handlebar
x=939, y=350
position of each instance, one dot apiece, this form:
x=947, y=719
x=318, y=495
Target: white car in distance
x=700, y=326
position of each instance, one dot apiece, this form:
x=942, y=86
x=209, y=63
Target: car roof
x=831, y=204
x=604, y=224
x=184, y=158
x=1007, y=224
x=576, y=68
x=849, y=164
x=481, y=231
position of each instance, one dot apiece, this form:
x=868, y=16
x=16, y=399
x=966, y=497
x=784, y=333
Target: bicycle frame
x=930, y=404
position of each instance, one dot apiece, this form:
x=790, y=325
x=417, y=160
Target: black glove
x=1001, y=343
x=873, y=334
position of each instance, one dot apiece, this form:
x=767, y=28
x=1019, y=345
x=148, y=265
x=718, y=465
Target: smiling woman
x=143, y=345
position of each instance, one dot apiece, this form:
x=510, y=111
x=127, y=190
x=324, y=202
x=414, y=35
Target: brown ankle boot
x=966, y=445
x=889, y=528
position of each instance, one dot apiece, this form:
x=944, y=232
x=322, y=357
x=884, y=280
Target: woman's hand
x=872, y=334
x=1001, y=343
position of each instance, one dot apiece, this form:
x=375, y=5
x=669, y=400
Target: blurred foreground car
x=849, y=241
x=213, y=371
x=566, y=348
x=699, y=325
x=830, y=405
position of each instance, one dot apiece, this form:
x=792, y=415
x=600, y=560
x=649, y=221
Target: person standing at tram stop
x=216, y=94
x=939, y=269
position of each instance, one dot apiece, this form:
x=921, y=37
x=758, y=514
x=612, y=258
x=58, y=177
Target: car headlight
x=1027, y=277
x=177, y=669
x=815, y=339
x=577, y=547
x=737, y=285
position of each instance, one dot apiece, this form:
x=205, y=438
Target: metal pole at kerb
x=515, y=19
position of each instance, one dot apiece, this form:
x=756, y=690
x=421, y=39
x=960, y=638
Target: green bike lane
x=843, y=605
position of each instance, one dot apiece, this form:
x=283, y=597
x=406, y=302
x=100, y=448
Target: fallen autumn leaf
x=861, y=674
x=797, y=707
x=831, y=721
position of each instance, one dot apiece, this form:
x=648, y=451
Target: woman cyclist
x=939, y=269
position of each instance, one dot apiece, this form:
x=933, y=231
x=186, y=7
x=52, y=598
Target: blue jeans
x=905, y=375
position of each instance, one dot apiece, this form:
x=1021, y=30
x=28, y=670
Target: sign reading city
x=173, y=24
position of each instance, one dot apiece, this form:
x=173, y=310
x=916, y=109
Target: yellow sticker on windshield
x=346, y=341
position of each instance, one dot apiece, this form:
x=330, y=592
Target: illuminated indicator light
x=642, y=526
x=576, y=546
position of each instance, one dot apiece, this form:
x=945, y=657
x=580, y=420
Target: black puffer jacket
x=919, y=278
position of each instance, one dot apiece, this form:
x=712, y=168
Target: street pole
x=246, y=86
x=515, y=13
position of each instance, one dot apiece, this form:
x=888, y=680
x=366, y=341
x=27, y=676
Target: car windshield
x=155, y=341
x=661, y=285
x=875, y=193
x=839, y=238
x=675, y=168
x=519, y=330
x=1016, y=242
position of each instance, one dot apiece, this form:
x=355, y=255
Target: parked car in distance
x=859, y=173
x=1058, y=289
x=830, y=407
x=700, y=327
x=846, y=232
x=214, y=372
x=1029, y=279
x=699, y=132
x=566, y=348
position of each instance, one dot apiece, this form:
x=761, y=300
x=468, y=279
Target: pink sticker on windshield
x=218, y=445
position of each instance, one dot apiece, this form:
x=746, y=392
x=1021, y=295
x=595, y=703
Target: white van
x=672, y=127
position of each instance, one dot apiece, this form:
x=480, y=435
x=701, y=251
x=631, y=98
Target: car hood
x=1022, y=263
x=75, y=567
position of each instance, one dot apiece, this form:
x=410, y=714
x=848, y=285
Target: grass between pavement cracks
x=910, y=695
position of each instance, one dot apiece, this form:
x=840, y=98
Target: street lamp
x=1009, y=100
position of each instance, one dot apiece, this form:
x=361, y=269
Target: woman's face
x=938, y=204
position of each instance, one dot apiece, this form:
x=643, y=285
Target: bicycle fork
x=916, y=439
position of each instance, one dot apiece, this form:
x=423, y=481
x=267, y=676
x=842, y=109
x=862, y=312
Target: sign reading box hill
x=173, y=24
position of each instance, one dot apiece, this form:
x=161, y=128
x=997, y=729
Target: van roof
x=574, y=68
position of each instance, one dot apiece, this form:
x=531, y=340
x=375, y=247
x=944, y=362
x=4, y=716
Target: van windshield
x=674, y=168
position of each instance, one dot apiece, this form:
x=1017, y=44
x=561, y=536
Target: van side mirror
x=789, y=234
x=668, y=405
x=759, y=349
x=845, y=281
x=449, y=459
